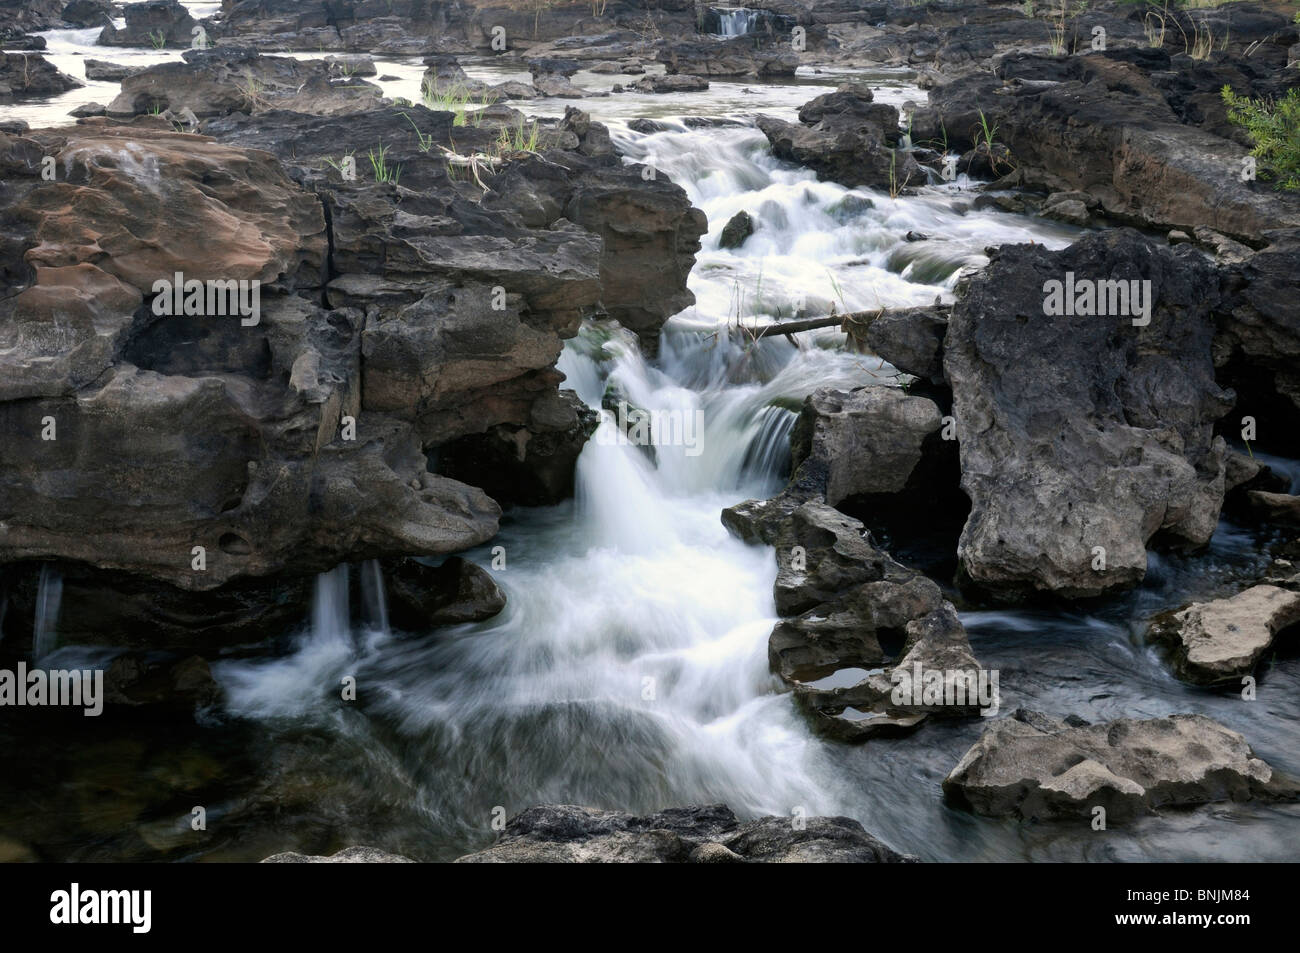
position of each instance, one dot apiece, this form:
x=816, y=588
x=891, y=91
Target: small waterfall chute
x=49, y=595
x=374, y=599
x=738, y=21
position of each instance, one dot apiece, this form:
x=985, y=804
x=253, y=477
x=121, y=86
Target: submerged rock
x=671, y=83
x=1221, y=641
x=738, y=228
x=421, y=596
x=569, y=834
x=1037, y=768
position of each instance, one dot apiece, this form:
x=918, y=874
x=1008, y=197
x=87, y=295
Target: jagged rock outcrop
x=738, y=56
x=108, y=72
x=1219, y=642
x=19, y=16
x=88, y=13
x=444, y=76
x=860, y=626
x=568, y=834
x=1112, y=126
x=911, y=339
x=258, y=437
x=165, y=24
x=531, y=464
x=1035, y=767
x=1083, y=437
x=421, y=28
x=551, y=77
x=846, y=137
x=1257, y=350
x=221, y=81
x=31, y=75
x=862, y=442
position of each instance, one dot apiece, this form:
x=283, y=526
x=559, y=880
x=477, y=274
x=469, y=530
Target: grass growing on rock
x=456, y=99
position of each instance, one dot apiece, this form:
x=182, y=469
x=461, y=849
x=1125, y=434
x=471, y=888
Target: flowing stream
x=629, y=669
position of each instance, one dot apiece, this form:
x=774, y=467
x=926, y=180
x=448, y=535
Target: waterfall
x=374, y=599
x=736, y=22
x=49, y=594
x=330, y=615
x=629, y=668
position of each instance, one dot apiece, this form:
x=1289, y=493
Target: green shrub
x=1275, y=127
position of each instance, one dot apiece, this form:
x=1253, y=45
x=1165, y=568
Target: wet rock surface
x=845, y=137
x=862, y=629
x=1035, y=767
x=568, y=834
x=30, y=75
x=421, y=596
x=1221, y=641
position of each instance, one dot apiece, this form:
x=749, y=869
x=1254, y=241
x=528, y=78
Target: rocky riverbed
x=648, y=432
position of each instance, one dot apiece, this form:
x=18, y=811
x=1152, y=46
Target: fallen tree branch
x=849, y=322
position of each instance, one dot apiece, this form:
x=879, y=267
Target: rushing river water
x=629, y=668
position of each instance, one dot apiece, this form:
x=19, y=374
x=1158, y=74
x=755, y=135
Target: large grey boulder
x=30, y=75
x=861, y=442
x=163, y=23
x=845, y=137
x=911, y=339
x=863, y=626
x=1221, y=641
x=1082, y=437
x=1035, y=767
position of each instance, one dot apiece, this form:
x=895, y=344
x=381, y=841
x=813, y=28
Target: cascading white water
x=373, y=597
x=323, y=655
x=629, y=668
x=49, y=595
x=739, y=22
